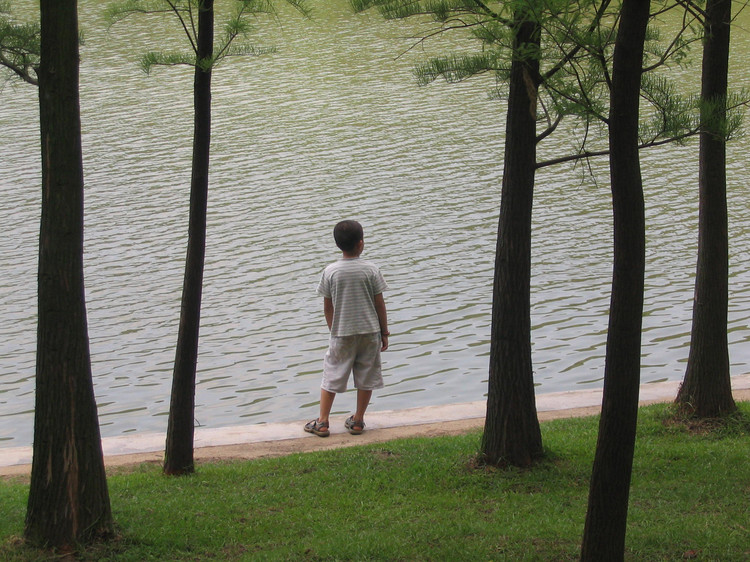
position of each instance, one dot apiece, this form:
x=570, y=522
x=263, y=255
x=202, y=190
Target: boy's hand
x=384, y=339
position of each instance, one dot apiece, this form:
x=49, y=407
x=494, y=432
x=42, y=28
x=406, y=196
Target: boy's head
x=347, y=235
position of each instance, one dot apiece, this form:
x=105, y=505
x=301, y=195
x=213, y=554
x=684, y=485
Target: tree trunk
x=68, y=496
x=511, y=432
x=178, y=458
x=606, y=518
x=706, y=391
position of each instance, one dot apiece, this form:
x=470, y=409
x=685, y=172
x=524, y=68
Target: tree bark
x=706, y=391
x=511, y=431
x=606, y=518
x=179, y=458
x=68, y=496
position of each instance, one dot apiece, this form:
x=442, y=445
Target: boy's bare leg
x=363, y=400
x=326, y=403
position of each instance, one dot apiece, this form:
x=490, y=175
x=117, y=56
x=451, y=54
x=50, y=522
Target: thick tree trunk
x=511, y=432
x=707, y=390
x=178, y=458
x=606, y=518
x=68, y=497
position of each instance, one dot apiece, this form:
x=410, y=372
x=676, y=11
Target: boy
x=352, y=291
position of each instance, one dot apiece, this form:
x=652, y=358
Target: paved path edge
x=276, y=439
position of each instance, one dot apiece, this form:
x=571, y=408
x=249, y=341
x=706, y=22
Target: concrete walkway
x=252, y=441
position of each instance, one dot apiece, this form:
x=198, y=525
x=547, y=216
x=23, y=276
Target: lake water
x=331, y=126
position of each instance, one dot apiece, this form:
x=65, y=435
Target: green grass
x=424, y=499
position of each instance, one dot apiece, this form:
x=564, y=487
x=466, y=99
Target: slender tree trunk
x=68, y=497
x=511, y=432
x=707, y=389
x=606, y=518
x=180, y=431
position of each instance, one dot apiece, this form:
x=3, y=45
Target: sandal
x=355, y=427
x=318, y=428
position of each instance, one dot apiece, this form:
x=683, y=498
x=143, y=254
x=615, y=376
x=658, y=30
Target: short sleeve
x=378, y=285
x=324, y=286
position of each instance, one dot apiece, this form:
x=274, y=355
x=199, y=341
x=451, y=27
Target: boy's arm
x=383, y=319
x=328, y=311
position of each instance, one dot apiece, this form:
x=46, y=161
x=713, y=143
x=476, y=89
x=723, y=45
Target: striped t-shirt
x=352, y=283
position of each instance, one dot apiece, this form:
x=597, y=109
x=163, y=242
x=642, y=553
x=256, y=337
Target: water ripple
x=322, y=130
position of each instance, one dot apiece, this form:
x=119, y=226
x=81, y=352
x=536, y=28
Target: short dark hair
x=347, y=235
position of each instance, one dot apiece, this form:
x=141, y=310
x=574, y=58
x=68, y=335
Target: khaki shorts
x=359, y=354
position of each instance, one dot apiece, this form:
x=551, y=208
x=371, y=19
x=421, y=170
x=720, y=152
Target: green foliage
x=671, y=36
x=19, y=45
x=671, y=115
x=231, y=41
x=389, y=9
x=151, y=59
x=575, y=58
x=439, y=10
x=455, y=68
x=493, y=33
x=736, y=104
x=722, y=117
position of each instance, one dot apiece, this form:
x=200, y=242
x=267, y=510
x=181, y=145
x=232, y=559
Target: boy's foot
x=318, y=428
x=355, y=427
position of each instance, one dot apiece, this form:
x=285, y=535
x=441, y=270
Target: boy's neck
x=356, y=252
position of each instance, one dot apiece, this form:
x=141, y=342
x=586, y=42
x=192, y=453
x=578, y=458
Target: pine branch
x=185, y=13
x=152, y=59
x=24, y=73
x=19, y=47
x=586, y=154
x=570, y=55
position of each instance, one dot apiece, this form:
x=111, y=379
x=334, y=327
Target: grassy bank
x=423, y=499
